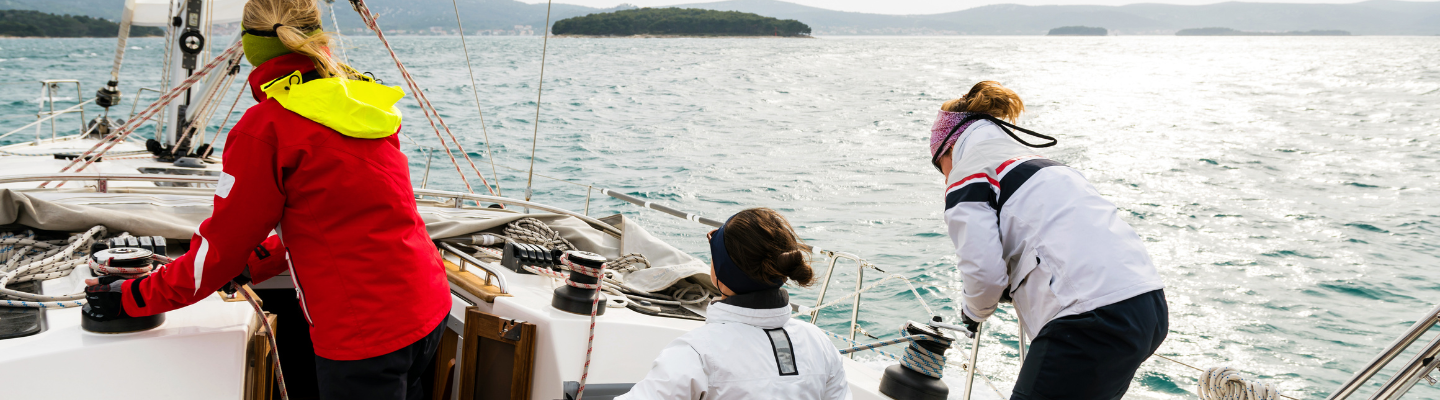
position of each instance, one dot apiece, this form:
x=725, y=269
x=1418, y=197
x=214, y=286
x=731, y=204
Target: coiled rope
x=123, y=272
x=916, y=358
x=532, y=231
x=1225, y=383
x=28, y=259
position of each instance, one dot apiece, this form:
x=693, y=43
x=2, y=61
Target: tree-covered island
x=25, y=23
x=1078, y=31
x=679, y=22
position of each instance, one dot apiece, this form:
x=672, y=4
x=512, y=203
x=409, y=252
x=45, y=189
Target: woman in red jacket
x=317, y=162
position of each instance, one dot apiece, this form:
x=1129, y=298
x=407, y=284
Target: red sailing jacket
x=369, y=279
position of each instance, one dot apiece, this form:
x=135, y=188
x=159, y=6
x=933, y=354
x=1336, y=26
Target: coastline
x=653, y=36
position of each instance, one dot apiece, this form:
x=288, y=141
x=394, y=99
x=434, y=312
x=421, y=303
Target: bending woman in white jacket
x=1029, y=228
x=750, y=348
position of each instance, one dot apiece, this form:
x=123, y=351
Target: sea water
x=1286, y=187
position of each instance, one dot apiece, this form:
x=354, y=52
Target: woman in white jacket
x=1032, y=229
x=750, y=348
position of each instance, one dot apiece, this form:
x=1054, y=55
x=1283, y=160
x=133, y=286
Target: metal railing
x=1419, y=366
x=47, y=92
x=466, y=259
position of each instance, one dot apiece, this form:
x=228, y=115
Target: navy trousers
x=392, y=376
x=1094, y=355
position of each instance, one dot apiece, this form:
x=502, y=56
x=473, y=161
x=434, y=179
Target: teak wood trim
x=259, y=369
x=483, y=326
x=471, y=283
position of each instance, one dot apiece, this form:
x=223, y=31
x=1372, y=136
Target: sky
x=919, y=6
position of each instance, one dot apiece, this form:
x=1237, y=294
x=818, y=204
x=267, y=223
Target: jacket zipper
x=295, y=279
x=299, y=292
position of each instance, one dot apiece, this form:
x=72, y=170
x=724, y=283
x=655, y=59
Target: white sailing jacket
x=749, y=348
x=1037, y=228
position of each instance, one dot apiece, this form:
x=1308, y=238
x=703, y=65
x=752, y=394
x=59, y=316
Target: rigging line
x=539, y=90
x=476, y=91
x=221, y=130
x=425, y=106
x=344, y=55
x=220, y=85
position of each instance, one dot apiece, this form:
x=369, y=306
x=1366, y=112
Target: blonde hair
x=987, y=97
x=287, y=17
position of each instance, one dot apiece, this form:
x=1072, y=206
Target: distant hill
x=1232, y=32
x=679, y=21
x=1375, y=17
x=26, y=23
x=1077, y=31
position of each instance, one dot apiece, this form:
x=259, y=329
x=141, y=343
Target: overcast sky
x=916, y=6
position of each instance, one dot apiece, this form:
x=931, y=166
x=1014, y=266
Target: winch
x=918, y=377
x=127, y=262
x=581, y=290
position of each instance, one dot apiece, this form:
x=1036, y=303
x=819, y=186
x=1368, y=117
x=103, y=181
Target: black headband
x=274, y=29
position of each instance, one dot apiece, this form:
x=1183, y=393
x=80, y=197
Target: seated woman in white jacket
x=1032, y=229
x=750, y=348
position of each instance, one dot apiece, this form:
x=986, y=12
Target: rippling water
x=1286, y=186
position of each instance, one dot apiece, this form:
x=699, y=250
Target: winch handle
x=952, y=327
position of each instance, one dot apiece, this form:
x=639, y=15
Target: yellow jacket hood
x=355, y=108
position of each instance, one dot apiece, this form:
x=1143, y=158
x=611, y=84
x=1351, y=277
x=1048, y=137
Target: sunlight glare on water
x=1285, y=186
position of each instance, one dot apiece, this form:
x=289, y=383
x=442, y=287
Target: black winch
x=122, y=258
x=577, y=300
x=903, y=381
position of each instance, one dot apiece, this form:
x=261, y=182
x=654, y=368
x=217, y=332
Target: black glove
x=236, y=283
x=969, y=323
x=103, y=301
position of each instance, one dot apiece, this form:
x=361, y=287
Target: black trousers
x=1094, y=355
x=393, y=376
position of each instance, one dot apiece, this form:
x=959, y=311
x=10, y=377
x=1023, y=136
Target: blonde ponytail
x=296, y=23
x=988, y=97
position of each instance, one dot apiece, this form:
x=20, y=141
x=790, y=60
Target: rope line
x=596, y=273
x=221, y=132
x=344, y=55
x=270, y=335
x=431, y=114
x=539, y=90
x=476, y=92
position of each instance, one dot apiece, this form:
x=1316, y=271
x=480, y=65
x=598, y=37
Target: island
x=26, y=23
x=678, y=22
x=1078, y=31
x=1232, y=32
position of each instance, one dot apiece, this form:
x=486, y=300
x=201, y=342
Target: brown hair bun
x=764, y=245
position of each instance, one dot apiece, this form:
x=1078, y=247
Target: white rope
x=33, y=260
x=532, y=231
x=1225, y=383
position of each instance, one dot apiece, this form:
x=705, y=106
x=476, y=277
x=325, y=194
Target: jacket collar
x=275, y=68
x=764, y=309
